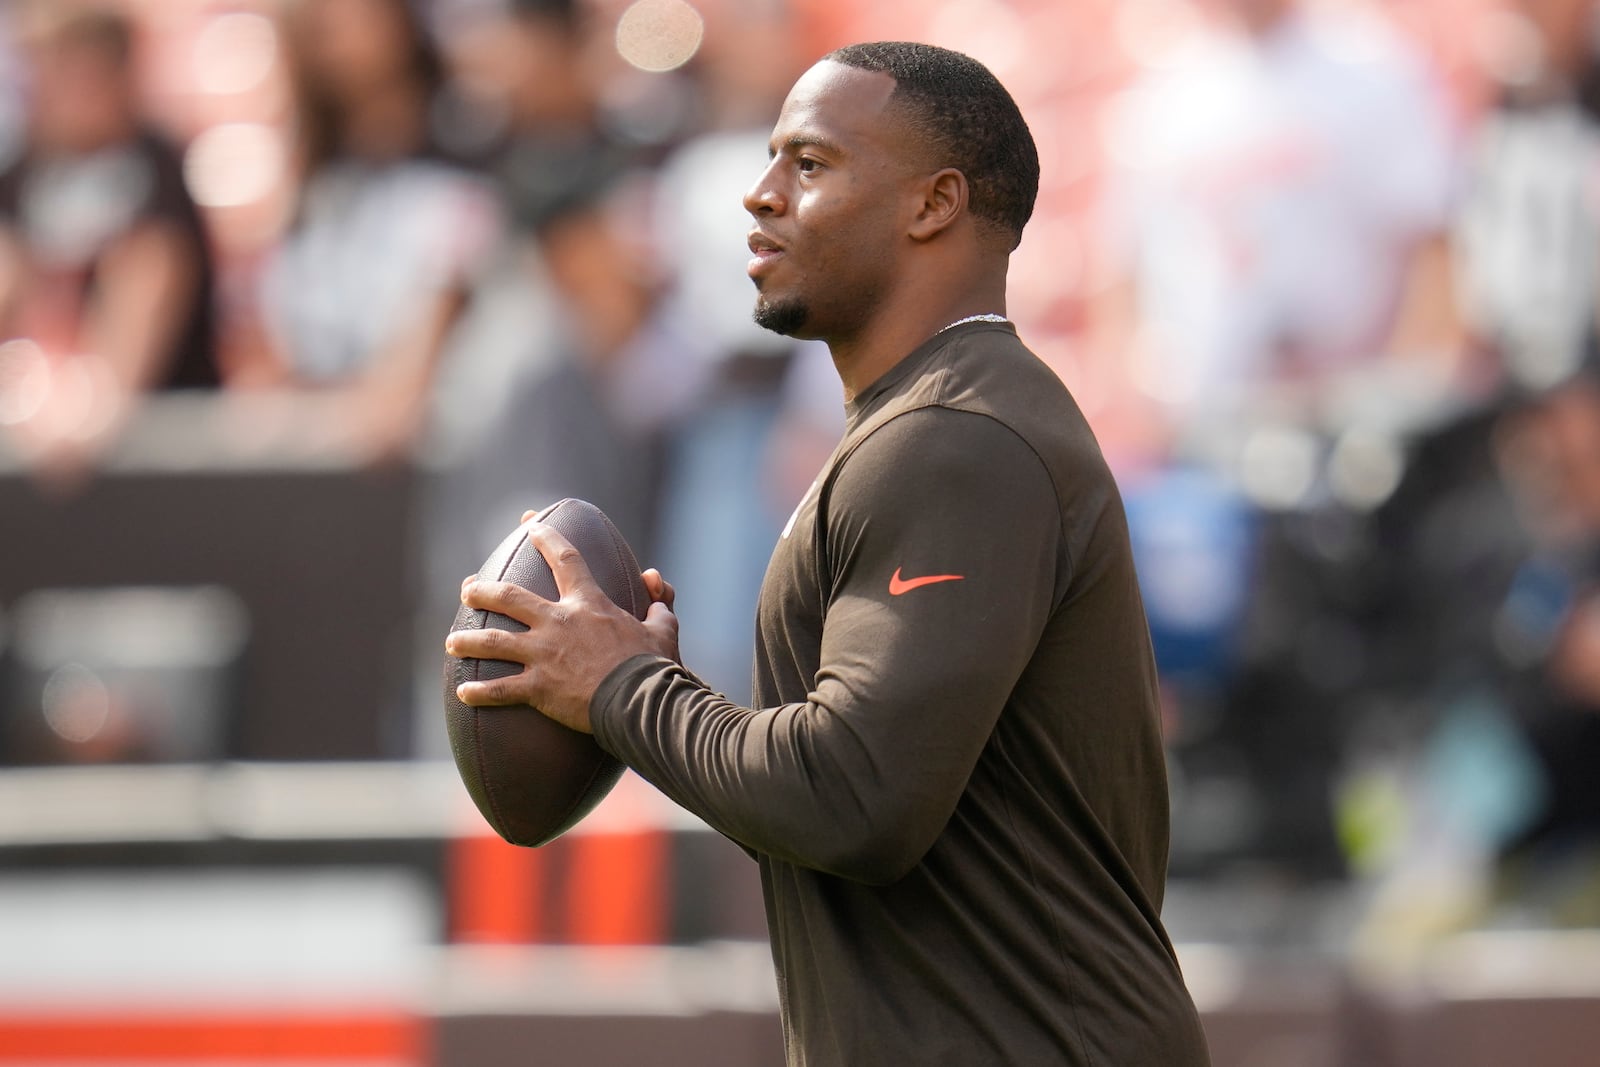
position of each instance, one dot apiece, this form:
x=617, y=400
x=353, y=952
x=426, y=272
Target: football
x=531, y=777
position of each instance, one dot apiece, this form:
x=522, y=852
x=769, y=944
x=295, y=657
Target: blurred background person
x=559, y=169
x=386, y=234
x=592, y=389
x=1490, y=635
x=105, y=268
x=595, y=424
x=1548, y=625
x=1528, y=235
x=530, y=67
x=1526, y=246
x=557, y=382
x=767, y=409
x=1285, y=177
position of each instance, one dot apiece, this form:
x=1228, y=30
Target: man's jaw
x=785, y=317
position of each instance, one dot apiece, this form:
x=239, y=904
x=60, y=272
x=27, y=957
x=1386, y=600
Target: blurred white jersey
x=1268, y=195
x=373, y=245
x=1528, y=234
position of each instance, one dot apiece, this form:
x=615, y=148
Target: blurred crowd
x=1322, y=275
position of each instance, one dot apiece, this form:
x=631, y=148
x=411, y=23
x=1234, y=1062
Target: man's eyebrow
x=795, y=142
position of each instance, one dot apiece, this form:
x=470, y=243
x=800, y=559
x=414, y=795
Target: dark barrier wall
x=319, y=554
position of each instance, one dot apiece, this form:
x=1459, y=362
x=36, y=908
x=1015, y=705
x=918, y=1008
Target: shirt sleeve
x=943, y=557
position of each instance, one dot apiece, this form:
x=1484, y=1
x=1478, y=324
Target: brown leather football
x=531, y=777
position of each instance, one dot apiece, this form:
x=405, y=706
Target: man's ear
x=943, y=201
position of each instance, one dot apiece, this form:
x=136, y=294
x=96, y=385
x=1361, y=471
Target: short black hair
x=967, y=118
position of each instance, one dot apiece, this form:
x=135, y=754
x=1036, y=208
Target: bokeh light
x=1278, y=466
x=234, y=53
x=659, y=35
x=1365, y=468
x=76, y=704
x=24, y=381
x=234, y=163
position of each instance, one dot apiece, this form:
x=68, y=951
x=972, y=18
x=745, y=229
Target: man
x=952, y=777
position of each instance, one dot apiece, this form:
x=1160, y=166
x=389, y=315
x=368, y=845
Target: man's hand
x=570, y=645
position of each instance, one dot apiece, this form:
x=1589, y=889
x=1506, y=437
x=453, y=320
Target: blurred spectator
x=530, y=64
x=1526, y=255
x=1491, y=567
x=1284, y=176
x=386, y=236
x=1529, y=233
x=533, y=404
x=596, y=382
x=1548, y=627
x=105, y=273
x=1491, y=545
x=771, y=411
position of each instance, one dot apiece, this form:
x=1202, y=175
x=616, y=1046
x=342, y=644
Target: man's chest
x=793, y=606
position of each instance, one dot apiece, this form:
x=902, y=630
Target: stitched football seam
x=615, y=539
x=499, y=822
x=623, y=567
x=583, y=795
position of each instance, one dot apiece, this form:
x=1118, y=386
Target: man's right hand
x=661, y=592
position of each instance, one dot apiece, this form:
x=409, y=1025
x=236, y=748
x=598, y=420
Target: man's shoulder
x=994, y=373
x=987, y=372
x=998, y=366
x=985, y=369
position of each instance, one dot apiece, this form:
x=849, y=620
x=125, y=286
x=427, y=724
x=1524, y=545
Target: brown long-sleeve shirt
x=953, y=780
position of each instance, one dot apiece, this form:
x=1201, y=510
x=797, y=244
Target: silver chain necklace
x=985, y=317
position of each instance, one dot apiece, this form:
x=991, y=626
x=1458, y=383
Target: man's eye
x=806, y=166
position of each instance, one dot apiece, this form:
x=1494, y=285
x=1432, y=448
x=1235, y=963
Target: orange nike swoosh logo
x=898, y=585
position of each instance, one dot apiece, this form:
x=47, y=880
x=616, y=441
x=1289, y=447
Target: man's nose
x=763, y=197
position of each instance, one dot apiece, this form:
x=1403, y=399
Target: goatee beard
x=782, y=317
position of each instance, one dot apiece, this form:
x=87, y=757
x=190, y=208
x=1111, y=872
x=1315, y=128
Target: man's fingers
x=494, y=693
x=661, y=591
x=487, y=643
x=504, y=598
x=660, y=617
x=468, y=580
x=526, y=515
x=566, y=562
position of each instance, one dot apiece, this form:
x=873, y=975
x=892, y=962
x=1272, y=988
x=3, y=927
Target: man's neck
x=863, y=359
